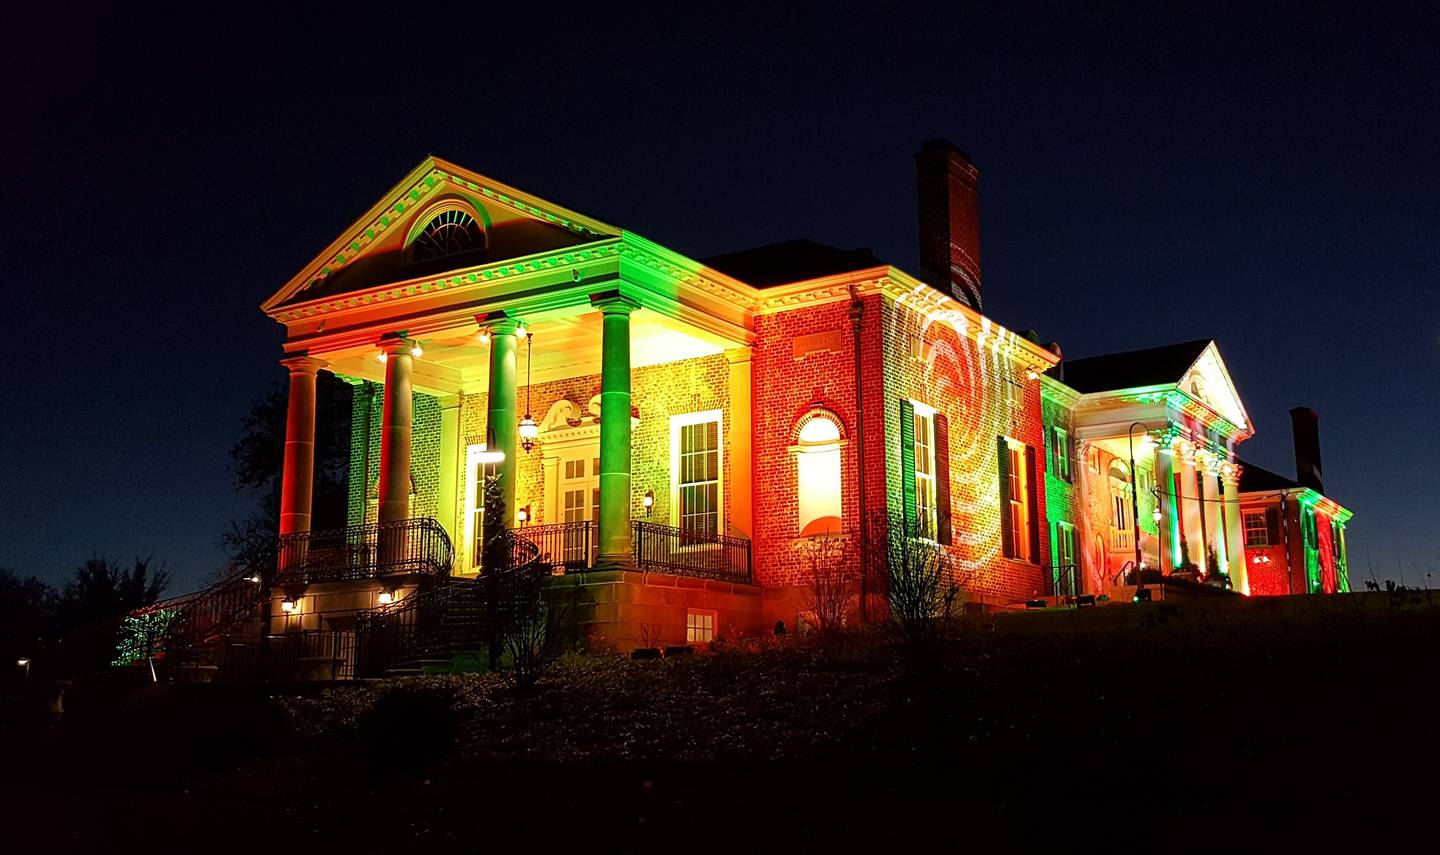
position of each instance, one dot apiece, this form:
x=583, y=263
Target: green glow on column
x=615, y=426
x=502, y=426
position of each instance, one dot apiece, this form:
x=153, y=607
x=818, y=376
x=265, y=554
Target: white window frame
x=694, y=618
x=1060, y=453
x=1020, y=521
x=474, y=509
x=681, y=421
x=1264, y=529
x=926, y=515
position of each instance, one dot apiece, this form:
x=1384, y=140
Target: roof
x=1152, y=366
x=790, y=261
x=1257, y=479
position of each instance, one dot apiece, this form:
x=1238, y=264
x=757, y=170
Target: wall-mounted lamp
x=385, y=598
x=415, y=350
x=520, y=329
x=485, y=336
x=648, y=501
x=381, y=357
x=523, y=515
x=1032, y=374
x=288, y=605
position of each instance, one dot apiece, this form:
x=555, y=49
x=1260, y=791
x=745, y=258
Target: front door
x=579, y=497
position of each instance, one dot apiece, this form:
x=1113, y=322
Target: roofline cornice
x=432, y=175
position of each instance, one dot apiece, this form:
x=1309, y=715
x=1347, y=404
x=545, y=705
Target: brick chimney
x=949, y=197
x=1306, y=426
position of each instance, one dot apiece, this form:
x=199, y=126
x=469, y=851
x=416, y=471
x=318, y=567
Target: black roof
x=1257, y=479
x=790, y=261
x=1149, y=367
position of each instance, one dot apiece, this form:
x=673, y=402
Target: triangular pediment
x=380, y=247
x=1208, y=382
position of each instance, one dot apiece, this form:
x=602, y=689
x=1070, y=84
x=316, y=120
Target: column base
x=614, y=562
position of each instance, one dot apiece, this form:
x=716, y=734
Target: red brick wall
x=966, y=381
x=788, y=378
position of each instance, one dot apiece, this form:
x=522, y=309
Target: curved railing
x=208, y=613
x=453, y=614
x=666, y=549
x=413, y=546
x=570, y=544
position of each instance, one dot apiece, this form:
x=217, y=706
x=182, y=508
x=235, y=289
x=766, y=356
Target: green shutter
x=942, y=479
x=907, y=464
x=1033, y=492
x=1008, y=544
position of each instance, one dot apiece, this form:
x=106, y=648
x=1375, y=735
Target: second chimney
x=1305, y=423
x=949, y=196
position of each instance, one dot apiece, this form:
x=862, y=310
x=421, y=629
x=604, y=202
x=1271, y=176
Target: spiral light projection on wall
x=963, y=375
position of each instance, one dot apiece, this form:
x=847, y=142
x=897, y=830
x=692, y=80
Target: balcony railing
x=413, y=546
x=665, y=549
x=569, y=545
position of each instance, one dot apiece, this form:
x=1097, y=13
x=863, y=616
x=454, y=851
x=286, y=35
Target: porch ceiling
x=567, y=343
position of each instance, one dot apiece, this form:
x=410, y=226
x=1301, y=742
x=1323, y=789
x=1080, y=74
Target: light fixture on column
x=485, y=335
x=648, y=501
x=415, y=350
x=1032, y=374
x=528, y=429
x=520, y=330
x=381, y=357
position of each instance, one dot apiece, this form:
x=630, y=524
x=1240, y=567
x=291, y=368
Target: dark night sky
x=1265, y=179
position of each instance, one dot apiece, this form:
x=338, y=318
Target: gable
x=380, y=247
x=1208, y=382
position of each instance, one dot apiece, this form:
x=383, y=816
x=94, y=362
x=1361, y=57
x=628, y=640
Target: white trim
x=472, y=503
x=676, y=423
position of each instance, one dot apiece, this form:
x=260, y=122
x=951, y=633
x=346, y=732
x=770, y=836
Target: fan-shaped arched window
x=450, y=232
x=817, y=460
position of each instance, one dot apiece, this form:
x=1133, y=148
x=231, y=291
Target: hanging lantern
x=528, y=429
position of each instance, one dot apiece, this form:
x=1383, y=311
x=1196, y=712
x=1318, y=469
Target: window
x=450, y=232
x=1017, y=496
x=1060, y=453
x=1064, y=547
x=695, y=468
x=1014, y=394
x=925, y=469
x=699, y=627
x=1122, y=513
x=817, y=463
x=1257, y=532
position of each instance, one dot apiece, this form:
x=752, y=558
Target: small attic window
x=450, y=232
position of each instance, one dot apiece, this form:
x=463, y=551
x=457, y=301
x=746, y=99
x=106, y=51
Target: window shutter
x=942, y=479
x=1005, y=533
x=907, y=464
x=1272, y=526
x=1070, y=461
x=1034, y=496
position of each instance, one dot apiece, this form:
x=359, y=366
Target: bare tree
x=539, y=625
x=830, y=588
x=920, y=579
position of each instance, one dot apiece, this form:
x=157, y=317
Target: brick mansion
x=670, y=435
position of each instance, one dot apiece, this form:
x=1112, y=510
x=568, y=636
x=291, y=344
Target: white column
x=396, y=418
x=1235, y=529
x=297, y=478
x=1214, y=530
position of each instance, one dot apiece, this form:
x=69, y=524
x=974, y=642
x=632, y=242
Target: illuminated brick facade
x=956, y=434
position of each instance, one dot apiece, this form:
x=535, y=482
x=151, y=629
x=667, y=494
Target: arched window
x=451, y=231
x=817, y=458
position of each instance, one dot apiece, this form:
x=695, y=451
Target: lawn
x=1121, y=725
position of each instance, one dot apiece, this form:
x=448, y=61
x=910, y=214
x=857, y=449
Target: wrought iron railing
x=1061, y=580
x=296, y=657
x=666, y=549
x=208, y=613
x=570, y=545
x=454, y=614
x=418, y=546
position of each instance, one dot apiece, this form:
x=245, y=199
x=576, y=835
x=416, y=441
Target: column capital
x=395, y=343
x=614, y=303
x=499, y=322
x=739, y=355
x=303, y=364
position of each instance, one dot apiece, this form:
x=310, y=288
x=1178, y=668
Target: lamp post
x=1135, y=502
